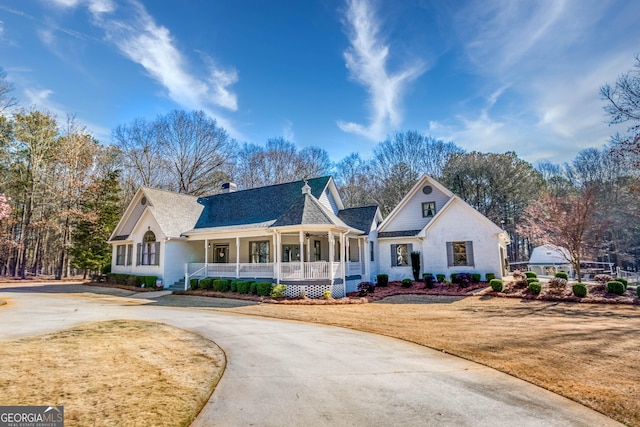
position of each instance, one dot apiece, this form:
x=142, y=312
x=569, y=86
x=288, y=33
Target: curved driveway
x=284, y=373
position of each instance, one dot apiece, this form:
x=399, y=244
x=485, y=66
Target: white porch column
x=206, y=257
x=332, y=244
x=301, y=236
x=343, y=253
x=278, y=256
x=367, y=260
x=237, y=257
x=360, y=253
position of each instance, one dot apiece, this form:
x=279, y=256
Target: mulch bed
x=597, y=294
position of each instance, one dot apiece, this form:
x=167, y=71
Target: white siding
x=384, y=258
x=410, y=217
x=133, y=219
x=146, y=222
x=461, y=225
x=327, y=200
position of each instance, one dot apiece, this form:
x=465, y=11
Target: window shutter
x=394, y=255
x=450, y=254
x=139, y=254
x=157, y=253
x=469, y=247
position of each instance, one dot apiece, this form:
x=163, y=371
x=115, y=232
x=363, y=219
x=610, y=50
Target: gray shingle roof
x=174, y=212
x=306, y=210
x=360, y=218
x=257, y=205
x=405, y=233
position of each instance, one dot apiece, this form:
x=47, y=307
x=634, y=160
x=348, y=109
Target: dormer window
x=428, y=209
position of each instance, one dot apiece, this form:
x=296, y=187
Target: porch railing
x=288, y=270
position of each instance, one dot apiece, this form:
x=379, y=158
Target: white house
x=451, y=236
x=300, y=234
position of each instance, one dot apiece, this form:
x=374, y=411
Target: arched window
x=149, y=250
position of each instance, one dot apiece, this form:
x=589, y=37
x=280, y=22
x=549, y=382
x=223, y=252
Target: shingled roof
x=359, y=218
x=257, y=205
x=172, y=211
x=307, y=210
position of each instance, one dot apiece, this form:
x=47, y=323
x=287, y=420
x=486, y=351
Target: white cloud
x=553, y=57
x=367, y=60
x=138, y=37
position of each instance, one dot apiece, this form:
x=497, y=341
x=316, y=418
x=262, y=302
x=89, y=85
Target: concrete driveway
x=284, y=373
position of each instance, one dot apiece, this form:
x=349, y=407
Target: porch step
x=177, y=286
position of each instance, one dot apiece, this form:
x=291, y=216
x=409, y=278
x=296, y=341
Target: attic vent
x=143, y=201
x=427, y=189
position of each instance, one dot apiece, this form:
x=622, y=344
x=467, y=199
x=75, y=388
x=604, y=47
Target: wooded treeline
x=64, y=191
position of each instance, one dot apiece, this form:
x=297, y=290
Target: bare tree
x=354, y=181
x=196, y=149
x=6, y=100
x=567, y=221
x=624, y=107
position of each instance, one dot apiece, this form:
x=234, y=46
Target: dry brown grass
x=586, y=352
x=113, y=373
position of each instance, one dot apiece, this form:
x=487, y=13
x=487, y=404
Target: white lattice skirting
x=315, y=291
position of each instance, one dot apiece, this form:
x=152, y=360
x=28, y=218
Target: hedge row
x=133, y=280
x=240, y=286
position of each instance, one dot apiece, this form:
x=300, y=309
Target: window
x=371, y=250
x=149, y=250
x=460, y=254
x=428, y=209
x=259, y=251
x=290, y=253
x=129, y=254
x=317, y=253
x=400, y=254
x=120, y=254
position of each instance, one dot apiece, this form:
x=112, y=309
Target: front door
x=221, y=254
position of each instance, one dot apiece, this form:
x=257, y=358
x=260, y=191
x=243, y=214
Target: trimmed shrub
x=365, y=288
x=603, y=278
x=624, y=281
x=529, y=274
x=464, y=279
x=532, y=279
x=221, y=285
x=233, y=286
x=429, y=280
x=150, y=281
x=638, y=291
x=454, y=277
x=263, y=289
x=278, y=291
x=253, y=288
x=615, y=287
x=535, y=288
x=489, y=277
x=193, y=283
x=562, y=275
x=206, y=283
x=441, y=278
x=407, y=283
x=557, y=285
x=475, y=277
x=243, y=287
x=580, y=290
x=382, y=280
x=327, y=294
x=496, y=285
x=134, y=281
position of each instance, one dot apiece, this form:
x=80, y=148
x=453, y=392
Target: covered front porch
x=305, y=256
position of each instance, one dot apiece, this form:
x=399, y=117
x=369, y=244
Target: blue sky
x=489, y=75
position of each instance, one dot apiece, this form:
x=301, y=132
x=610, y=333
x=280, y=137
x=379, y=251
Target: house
x=547, y=260
x=300, y=234
x=451, y=236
